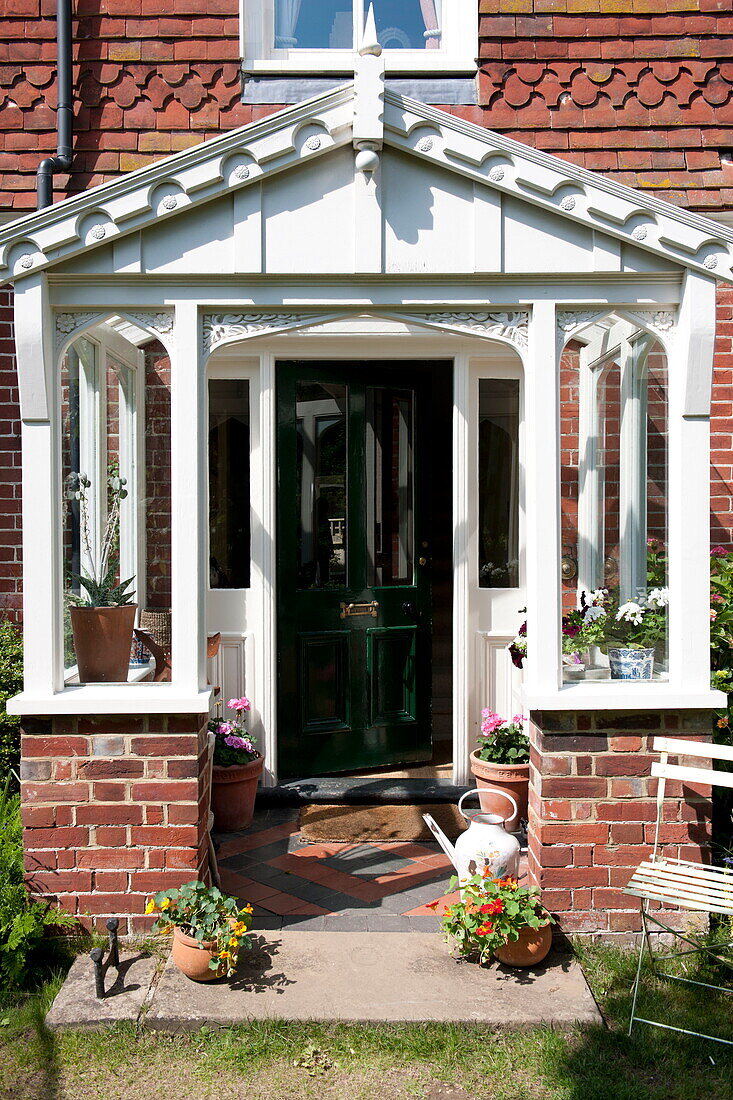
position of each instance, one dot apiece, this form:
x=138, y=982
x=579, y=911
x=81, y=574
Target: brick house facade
x=641, y=95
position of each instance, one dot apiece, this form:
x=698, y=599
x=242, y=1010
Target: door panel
x=354, y=599
x=391, y=655
x=323, y=673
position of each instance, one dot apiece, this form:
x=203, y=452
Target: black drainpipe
x=48, y=168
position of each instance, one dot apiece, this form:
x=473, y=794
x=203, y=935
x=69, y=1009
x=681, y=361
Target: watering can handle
x=488, y=790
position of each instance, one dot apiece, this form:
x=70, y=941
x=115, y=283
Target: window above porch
x=417, y=36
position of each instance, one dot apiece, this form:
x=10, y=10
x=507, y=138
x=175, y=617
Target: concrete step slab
x=369, y=977
x=77, y=1006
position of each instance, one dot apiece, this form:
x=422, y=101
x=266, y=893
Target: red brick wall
x=113, y=810
x=592, y=813
x=158, y=476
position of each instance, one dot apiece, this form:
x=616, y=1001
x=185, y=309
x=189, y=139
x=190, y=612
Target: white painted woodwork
x=190, y=563
x=689, y=492
x=542, y=431
x=463, y=244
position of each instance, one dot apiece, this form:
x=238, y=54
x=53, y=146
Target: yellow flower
x=150, y=907
x=166, y=929
x=225, y=954
x=165, y=904
x=239, y=928
x=234, y=942
x=247, y=909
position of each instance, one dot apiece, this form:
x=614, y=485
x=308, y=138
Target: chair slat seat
x=688, y=885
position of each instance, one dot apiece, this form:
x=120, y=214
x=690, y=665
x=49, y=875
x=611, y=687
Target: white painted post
x=542, y=416
x=463, y=648
x=690, y=374
x=42, y=587
x=264, y=558
x=188, y=499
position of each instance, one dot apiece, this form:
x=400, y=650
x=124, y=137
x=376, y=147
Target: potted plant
x=102, y=619
x=583, y=632
x=497, y=917
x=236, y=772
x=501, y=762
x=638, y=627
x=208, y=927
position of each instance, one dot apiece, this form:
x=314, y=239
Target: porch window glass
x=498, y=482
x=229, y=483
x=390, y=487
x=321, y=484
x=614, y=443
x=330, y=24
x=99, y=478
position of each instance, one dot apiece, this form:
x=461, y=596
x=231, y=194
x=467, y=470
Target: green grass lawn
x=435, y=1062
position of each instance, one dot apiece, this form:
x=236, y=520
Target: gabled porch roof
x=361, y=114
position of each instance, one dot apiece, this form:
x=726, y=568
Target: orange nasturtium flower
x=150, y=907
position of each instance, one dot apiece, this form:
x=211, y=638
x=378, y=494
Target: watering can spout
x=441, y=838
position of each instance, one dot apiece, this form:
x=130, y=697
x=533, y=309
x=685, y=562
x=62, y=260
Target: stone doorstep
x=356, y=977
x=76, y=1004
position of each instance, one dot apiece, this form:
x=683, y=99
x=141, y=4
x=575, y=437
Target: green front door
x=353, y=584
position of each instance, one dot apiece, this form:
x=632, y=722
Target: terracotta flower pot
x=192, y=958
x=512, y=778
x=529, y=950
x=233, y=793
x=102, y=642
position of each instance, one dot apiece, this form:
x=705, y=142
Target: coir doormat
x=396, y=821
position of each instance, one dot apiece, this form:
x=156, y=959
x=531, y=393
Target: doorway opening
x=364, y=567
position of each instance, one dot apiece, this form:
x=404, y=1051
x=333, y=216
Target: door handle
x=409, y=609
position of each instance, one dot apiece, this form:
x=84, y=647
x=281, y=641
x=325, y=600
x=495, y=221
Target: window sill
x=621, y=695
x=135, y=674
x=140, y=698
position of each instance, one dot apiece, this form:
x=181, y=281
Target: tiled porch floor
x=372, y=886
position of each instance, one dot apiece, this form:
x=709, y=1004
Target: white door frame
x=357, y=340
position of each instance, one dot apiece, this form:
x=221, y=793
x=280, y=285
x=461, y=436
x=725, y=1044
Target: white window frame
x=457, y=53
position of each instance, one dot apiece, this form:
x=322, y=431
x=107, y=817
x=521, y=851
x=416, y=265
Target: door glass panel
x=389, y=486
x=321, y=492
x=498, y=476
x=328, y=24
x=229, y=489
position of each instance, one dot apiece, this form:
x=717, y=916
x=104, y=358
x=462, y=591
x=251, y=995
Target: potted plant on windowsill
x=236, y=772
x=499, y=918
x=208, y=927
x=638, y=627
x=501, y=762
x=103, y=617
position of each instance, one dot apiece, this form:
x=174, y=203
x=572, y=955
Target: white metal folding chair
x=678, y=882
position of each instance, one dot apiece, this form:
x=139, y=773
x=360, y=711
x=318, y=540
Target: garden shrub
x=11, y=682
x=23, y=920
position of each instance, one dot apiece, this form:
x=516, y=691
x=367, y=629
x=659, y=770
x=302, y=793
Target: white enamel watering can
x=485, y=846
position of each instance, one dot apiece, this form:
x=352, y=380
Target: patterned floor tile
x=368, y=886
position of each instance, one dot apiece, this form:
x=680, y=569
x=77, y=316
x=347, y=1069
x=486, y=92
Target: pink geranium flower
x=238, y=704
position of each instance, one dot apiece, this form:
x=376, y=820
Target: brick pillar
x=592, y=813
x=113, y=810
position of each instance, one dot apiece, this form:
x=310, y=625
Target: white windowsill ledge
x=621, y=695
x=111, y=699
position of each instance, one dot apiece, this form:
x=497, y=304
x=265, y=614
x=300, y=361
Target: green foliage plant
x=502, y=741
x=99, y=577
x=490, y=913
x=11, y=682
x=208, y=916
x=23, y=919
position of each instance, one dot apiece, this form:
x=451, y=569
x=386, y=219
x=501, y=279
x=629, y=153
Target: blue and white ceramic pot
x=631, y=664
